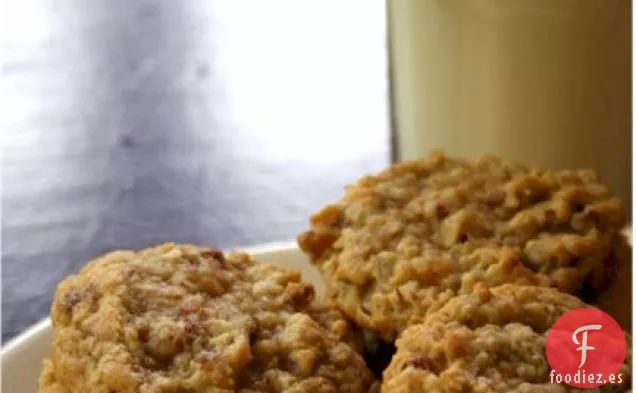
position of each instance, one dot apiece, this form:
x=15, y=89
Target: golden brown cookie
x=401, y=243
x=179, y=318
x=488, y=341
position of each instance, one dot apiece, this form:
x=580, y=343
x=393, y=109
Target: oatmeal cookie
x=487, y=341
x=401, y=243
x=179, y=318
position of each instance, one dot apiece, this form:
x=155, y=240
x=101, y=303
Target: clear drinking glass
x=540, y=82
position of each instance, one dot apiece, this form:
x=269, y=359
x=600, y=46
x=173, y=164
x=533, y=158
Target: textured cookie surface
x=488, y=341
x=179, y=318
x=401, y=243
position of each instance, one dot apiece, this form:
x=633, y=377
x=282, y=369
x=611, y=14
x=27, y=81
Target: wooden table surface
x=126, y=124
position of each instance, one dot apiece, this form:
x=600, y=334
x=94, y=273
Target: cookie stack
x=439, y=248
x=463, y=266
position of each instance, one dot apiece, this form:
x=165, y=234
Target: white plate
x=22, y=357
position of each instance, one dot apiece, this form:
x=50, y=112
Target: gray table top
x=127, y=124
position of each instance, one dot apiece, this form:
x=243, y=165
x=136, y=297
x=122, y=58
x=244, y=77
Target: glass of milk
x=540, y=82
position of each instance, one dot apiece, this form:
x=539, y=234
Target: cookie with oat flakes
x=487, y=341
x=403, y=242
x=191, y=319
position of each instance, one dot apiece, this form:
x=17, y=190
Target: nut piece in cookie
x=180, y=318
x=492, y=342
x=401, y=243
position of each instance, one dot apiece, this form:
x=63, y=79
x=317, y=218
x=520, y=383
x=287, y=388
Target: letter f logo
x=584, y=347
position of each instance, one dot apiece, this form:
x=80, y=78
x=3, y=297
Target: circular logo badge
x=585, y=349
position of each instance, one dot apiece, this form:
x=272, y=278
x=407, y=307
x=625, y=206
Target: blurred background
x=130, y=123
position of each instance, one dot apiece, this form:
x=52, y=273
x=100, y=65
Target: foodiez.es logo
x=585, y=349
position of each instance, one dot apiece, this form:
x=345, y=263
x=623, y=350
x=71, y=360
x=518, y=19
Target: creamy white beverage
x=541, y=82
